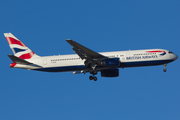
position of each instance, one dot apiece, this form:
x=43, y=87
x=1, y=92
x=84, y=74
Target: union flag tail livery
x=19, y=49
x=86, y=60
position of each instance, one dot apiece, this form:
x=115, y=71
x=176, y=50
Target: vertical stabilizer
x=19, y=49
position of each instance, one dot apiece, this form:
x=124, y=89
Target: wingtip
x=69, y=40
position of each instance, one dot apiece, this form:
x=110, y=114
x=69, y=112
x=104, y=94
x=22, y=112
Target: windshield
x=170, y=52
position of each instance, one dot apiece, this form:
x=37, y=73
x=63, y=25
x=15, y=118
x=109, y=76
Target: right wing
x=85, y=53
x=92, y=59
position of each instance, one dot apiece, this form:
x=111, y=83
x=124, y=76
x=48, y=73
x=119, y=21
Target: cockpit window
x=170, y=52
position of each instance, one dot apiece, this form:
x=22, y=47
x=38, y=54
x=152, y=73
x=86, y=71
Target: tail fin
x=19, y=49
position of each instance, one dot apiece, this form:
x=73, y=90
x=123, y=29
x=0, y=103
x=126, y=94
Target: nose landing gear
x=165, y=66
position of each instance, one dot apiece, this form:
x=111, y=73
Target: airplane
x=86, y=60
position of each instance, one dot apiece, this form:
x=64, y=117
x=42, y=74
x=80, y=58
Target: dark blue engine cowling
x=110, y=62
x=110, y=73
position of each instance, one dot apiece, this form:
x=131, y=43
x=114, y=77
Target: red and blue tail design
x=19, y=49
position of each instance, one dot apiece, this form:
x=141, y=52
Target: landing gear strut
x=165, y=66
x=92, y=70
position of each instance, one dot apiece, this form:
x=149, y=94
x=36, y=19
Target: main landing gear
x=93, y=72
x=93, y=77
x=165, y=66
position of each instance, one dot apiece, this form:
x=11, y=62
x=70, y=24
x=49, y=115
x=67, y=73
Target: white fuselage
x=131, y=58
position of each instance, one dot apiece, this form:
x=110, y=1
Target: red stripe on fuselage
x=14, y=41
x=155, y=51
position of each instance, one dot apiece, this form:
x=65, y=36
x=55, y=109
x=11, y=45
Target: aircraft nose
x=176, y=57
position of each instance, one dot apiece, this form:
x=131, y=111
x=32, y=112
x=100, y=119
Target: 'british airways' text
x=141, y=57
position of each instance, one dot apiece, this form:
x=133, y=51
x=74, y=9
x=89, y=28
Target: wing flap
x=79, y=53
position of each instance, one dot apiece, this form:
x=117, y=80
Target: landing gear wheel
x=90, y=77
x=93, y=72
x=95, y=78
x=165, y=66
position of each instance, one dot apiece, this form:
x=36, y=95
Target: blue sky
x=101, y=25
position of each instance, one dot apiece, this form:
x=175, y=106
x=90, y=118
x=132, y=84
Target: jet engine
x=110, y=73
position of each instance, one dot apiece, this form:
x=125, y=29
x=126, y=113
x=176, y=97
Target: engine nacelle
x=110, y=73
x=110, y=62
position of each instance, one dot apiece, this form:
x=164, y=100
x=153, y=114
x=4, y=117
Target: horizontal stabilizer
x=18, y=60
